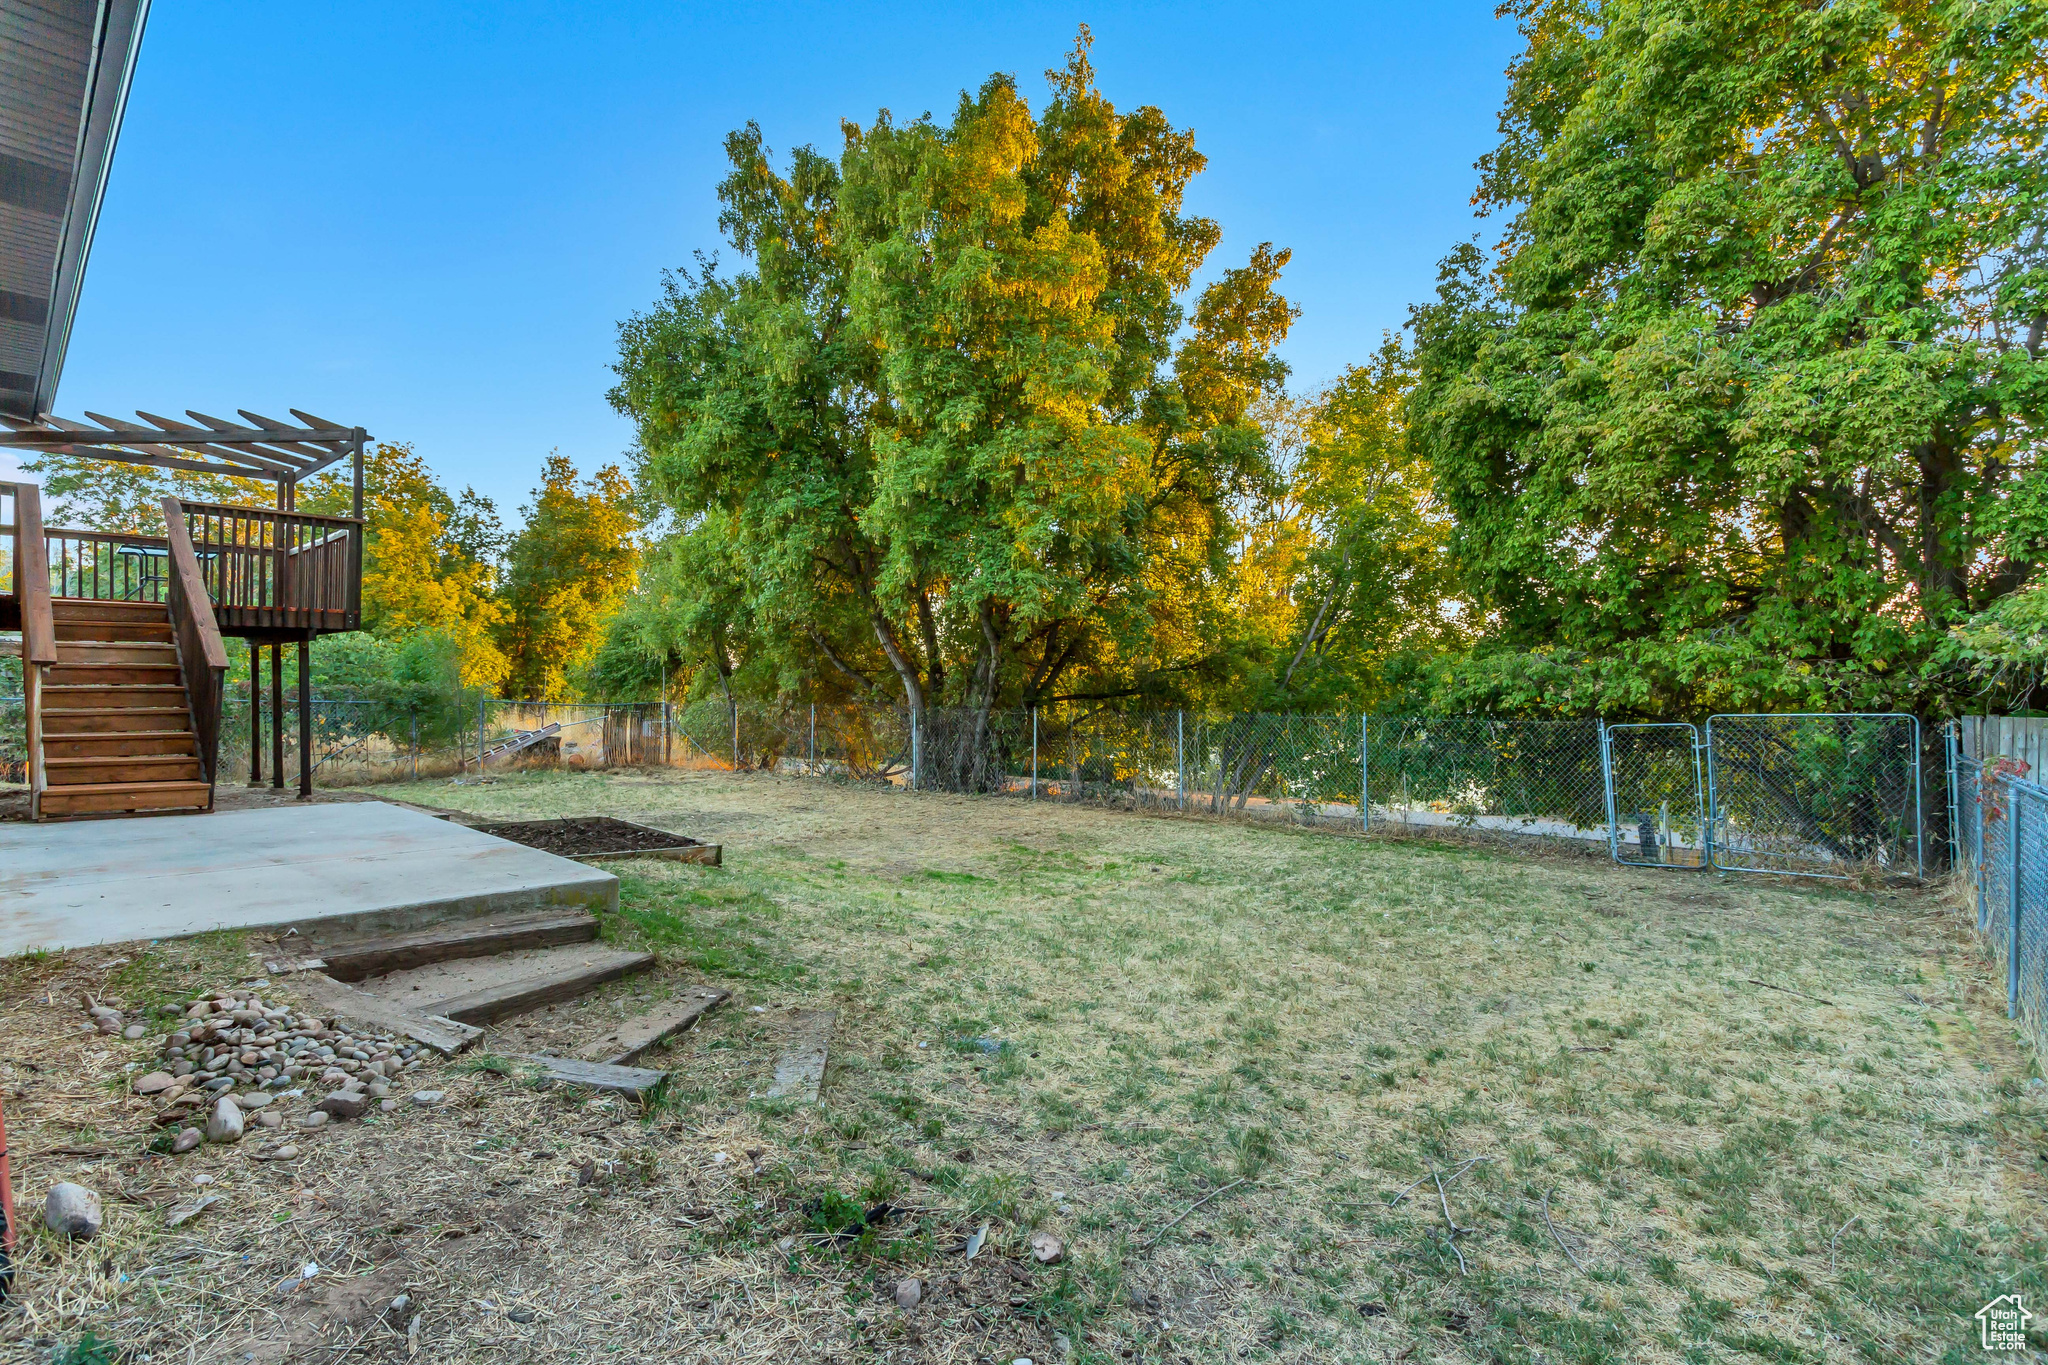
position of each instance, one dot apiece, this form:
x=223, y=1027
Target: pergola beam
x=267, y=449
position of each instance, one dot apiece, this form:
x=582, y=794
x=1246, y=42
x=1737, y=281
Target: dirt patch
x=591, y=836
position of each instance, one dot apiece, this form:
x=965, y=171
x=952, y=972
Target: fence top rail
x=229, y=509
x=1814, y=715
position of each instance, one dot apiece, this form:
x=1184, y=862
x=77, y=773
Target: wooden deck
x=123, y=637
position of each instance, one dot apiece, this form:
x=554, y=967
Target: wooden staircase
x=117, y=734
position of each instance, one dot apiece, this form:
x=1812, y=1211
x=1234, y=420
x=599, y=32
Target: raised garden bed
x=600, y=838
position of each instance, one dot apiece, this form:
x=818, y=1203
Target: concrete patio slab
x=359, y=866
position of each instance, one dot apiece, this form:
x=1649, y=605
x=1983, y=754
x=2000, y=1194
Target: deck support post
x=255, y=714
x=277, y=716
x=306, y=717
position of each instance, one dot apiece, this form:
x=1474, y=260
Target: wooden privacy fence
x=2020, y=737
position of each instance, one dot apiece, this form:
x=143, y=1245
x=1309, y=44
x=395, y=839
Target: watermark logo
x=2003, y=1323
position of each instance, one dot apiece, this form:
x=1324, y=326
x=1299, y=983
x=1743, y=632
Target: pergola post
x=277, y=716
x=306, y=716
x=255, y=714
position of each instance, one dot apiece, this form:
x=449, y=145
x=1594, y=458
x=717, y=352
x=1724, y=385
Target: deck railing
x=99, y=566
x=262, y=570
x=201, y=656
x=279, y=568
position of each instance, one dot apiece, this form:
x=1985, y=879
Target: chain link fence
x=2000, y=834
x=1833, y=796
x=1815, y=795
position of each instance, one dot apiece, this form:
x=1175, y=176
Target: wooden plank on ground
x=622, y=1080
x=801, y=1068
x=351, y=1006
x=361, y=960
x=628, y=1042
x=544, y=987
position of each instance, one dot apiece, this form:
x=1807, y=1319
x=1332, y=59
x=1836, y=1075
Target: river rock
x=72, y=1210
x=344, y=1104
x=225, y=1123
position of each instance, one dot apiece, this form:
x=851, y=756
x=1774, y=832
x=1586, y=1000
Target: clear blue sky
x=428, y=219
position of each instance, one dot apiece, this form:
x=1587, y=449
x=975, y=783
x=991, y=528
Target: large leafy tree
x=955, y=428
x=1343, y=574
x=1734, y=415
x=566, y=572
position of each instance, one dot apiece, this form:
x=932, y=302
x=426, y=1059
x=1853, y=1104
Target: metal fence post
x=1034, y=753
x=2012, y=942
x=814, y=737
x=735, y=736
x=1180, y=759
x=480, y=696
x=915, y=737
x=1919, y=809
x=414, y=716
x=1364, y=772
x=1948, y=759
x=1977, y=872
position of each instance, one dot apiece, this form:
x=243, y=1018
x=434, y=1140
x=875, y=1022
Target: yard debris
x=1787, y=990
x=1046, y=1249
x=975, y=1243
x=1554, y=1237
x=73, y=1210
x=909, y=1293
x=1224, y=1189
x=179, y=1214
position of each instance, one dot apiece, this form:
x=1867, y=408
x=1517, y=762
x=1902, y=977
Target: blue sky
x=429, y=219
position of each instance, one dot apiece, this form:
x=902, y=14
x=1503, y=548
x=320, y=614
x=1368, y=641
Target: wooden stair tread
x=127, y=788
x=623, y=1080
x=105, y=760
x=547, y=986
x=632, y=1039
x=448, y=942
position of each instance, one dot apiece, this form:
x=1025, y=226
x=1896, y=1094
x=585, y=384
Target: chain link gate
x=1826, y=794
x=1656, y=795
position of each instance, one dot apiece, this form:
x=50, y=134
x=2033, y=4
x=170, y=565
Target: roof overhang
x=65, y=67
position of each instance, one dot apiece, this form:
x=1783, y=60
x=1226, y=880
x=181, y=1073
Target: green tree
x=1730, y=418
x=955, y=429
x=1344, y=572
x=567, y=571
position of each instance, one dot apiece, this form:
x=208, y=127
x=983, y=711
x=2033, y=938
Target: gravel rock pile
x=237, y=1046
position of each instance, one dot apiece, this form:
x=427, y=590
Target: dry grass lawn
x=1637, y=1115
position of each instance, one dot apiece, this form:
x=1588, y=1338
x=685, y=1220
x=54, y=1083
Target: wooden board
x=447, y=942
x=548, y=987
x=801, y=1068
x=351, y=1006
x=623, y=1080
x=630, y=1040
x=711, y=855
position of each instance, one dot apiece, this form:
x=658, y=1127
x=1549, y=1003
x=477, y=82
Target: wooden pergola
x=258, y=448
